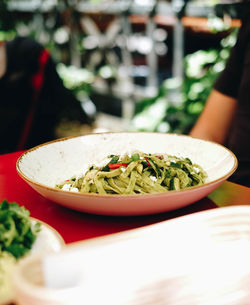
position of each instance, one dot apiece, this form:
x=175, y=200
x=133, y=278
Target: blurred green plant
x=79, y=81
x=6, y=23
x=178, y=105
x=75, y=79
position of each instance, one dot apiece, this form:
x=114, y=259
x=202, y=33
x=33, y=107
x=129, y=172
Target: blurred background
x=135, y=65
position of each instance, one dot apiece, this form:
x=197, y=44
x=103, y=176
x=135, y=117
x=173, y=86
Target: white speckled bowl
x=51, y=163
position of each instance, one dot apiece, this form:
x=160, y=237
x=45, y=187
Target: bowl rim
x=57, y=235
x=128, y=196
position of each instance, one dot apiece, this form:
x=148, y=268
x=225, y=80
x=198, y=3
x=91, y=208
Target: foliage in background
x=76, y=79
x=177, y=106
x=7, y=24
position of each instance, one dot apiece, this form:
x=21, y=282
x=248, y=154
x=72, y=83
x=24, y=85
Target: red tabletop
x=75, y=226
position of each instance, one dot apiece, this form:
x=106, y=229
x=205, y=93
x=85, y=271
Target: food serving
x=21, y=236
x=17, y=235
x=50, y=164
x=137, y=173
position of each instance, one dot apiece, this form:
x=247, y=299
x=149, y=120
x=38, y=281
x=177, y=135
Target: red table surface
x=73, y=225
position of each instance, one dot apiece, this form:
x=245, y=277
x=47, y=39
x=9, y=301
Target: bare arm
x=2, y=58
x=216, y=118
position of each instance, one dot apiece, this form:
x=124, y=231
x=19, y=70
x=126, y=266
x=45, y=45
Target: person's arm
x=2, y=58
x=216, y=118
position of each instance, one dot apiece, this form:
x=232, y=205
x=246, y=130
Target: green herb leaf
x=135, y=157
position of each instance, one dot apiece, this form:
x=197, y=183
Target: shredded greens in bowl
x=17, y=232
x=17, y=235
x=138, y=173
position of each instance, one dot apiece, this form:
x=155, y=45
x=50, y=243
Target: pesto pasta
x=138, y=173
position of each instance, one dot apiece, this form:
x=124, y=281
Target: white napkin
x=203, y=258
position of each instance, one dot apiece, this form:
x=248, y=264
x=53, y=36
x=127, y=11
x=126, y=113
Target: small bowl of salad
x=21, y=236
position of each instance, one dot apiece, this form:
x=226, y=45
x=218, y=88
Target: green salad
x=17, y=235
x=137, y=173
x=17, y=232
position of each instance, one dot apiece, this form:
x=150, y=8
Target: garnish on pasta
x=138, y=173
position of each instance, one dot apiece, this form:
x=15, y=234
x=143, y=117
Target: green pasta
x=138, y=173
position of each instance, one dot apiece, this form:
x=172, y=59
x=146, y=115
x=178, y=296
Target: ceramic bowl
x=46, y=165
x=48, y=241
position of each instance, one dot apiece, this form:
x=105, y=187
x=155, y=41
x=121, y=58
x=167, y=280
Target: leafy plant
x=178, y=105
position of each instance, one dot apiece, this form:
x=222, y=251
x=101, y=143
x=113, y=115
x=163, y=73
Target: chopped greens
x=138, y=173
x=17, y=232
